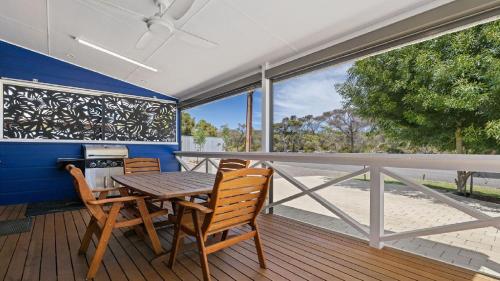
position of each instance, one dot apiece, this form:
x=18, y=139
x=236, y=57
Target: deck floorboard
x=294, y=251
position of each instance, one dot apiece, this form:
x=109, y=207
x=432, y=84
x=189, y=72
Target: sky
x=311, y=93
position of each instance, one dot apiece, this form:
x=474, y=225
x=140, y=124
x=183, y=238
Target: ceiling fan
x=169, y=11
x=165, y=22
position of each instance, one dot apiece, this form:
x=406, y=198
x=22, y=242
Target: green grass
x=478, y=190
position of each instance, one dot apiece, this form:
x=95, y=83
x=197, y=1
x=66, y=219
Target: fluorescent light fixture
x=83, y=42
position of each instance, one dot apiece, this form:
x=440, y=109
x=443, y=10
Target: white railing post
x=376, y=207
x=183, y=164
x=270, y=194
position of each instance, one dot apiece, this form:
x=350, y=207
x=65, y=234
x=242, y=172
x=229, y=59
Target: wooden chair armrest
x=195, y=206
x=115, y=200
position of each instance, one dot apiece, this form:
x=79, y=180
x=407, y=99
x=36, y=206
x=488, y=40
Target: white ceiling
x=249, y=33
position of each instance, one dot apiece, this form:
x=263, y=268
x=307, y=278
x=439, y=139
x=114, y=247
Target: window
x=221, y=125
x=309, y=114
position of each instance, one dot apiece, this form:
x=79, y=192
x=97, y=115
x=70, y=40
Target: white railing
x=378, y=165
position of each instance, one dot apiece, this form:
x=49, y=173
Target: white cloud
x=312, y=93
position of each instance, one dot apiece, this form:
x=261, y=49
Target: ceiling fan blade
x=179, y=8
x=144, y=40
x=195, y=39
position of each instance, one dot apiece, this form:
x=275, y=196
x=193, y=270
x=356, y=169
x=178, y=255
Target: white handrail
x=456, y=162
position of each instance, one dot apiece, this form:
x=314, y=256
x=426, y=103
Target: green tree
x=288, y=134
x=348, y=123
x=239, y=135
x=234, y=139
x=225, y=134
x=443, y=93
x=187, y=124
x=256, y=140
x=210, y=130
x=311, y=124
x=199, y=137
x=311, y=143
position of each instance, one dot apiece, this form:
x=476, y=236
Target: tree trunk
x=461, y=181
x=462, y=176
x=459, y=144
x=248, y=141
x=351, y=140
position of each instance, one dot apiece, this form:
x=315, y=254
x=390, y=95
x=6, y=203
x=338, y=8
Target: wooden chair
x=237, y=199
x=103, y=221
x=225, y=165
x=141, y=165
x=228, y=165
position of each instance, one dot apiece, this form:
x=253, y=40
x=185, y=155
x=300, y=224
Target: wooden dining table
x=168, y=185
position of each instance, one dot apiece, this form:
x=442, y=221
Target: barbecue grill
x=102, y=162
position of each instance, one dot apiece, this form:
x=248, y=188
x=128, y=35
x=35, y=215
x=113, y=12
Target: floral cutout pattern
x=33, y=113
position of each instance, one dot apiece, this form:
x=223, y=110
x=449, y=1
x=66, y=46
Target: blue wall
x=28, y=171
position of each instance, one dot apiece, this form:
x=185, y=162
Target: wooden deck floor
x=294, y=251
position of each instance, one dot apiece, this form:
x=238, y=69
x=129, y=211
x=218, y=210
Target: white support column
x=267, y=126
x=267, y=111
x=376, y=207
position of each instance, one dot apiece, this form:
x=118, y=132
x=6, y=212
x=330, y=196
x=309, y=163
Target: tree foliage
x=199, y=136
x=187, y=124
x=443, y=92
x=347, y=123
x=338, y=130
x=209, y=129
x=234, y=139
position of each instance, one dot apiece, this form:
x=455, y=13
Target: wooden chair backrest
x=228, y=165
x=237, y=199
x=141, y=165
x=85, y=192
